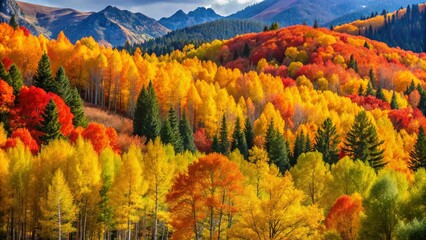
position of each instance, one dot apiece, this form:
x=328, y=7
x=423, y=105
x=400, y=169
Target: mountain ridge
x=181, y=20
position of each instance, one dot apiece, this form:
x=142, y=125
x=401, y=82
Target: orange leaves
x=100, y=136
x=23, y=135
x=344, y=216
x=206, y=194
x=6, y=97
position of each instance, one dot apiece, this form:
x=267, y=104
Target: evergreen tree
x=76, y=107
x=50, y=125
x=166, y=132
x=276, y=148
x=380, y=95
x=410, y=88
x=361, y=91
x=327, y=141
x=308, y=146
x=394, y=103
x=370, y=89
x=239, y=140
x=186, y=134
x=16, y=80
x=316, y=24
x=216, y=144
x=274, y=26
x=63, y=87
x=366, y=45
x=363, y=143
x=43, y=76
x=13, y=23
x=176, y=137
x=223, y=140
x=146, y=121
x=249, y=133
x=353, y=64
x=418, y=154
x=246, y=51
x=269, y=135
x=372, y=78
x=3, y=73
x=299, y=147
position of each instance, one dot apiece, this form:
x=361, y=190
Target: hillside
x=293, y=12
x=399, y=29
x=199, y=34
x=295, y=133
x=182, y=20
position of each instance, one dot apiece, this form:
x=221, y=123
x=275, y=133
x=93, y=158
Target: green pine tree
x=3, y=73
x=239, y=140
x=353, y=64
x=327, y=141
x=43, y=76
x=299, y=147
x=223, y=138
x=269, y=135
x=166, y=133
x=16, y=79
x=216, y=144
x=63, y=87
x=363, y=143
x=13, y=23
x=361, y=91
x=308, y=146
x=394, y=103
x=146, y=121
x=370, y=89
x=366, y=45
x=418, y=154
x=380, y=95
x=410, y=88
x=77, y=109
x=176, y=137
x=50, y=127
x=249, y=133
x=276, y=148
x=187, y=135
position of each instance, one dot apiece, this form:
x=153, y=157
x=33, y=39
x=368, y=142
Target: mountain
x=404, y=28
x=110, y=26
x=199, y=34
x=181, y=20
x=291, y=12
x=114, y=26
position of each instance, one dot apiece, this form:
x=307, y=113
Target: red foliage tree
x=24, y=135
x=369, y=102
x=100, y=137
x=31, y=104
x=6, y=63
x=201, y=141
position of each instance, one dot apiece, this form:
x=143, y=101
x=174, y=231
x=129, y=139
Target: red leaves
x=100, y=137
x=6, y=63
x=408, y=119
x=202, y=142
x=369, y=102
x=25, y=30
x=24, y=135
x=31, y=103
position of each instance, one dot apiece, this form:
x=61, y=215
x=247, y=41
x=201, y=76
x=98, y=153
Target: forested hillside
x=296, y=133
x=405, y=28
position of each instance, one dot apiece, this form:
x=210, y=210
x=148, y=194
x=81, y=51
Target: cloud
x=152, y=8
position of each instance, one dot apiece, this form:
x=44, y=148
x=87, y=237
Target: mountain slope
x=114, y=26
x=290, y=12
x=181, y=20
x=206, y=32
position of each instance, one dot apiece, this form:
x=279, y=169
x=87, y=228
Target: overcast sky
x=152, y=8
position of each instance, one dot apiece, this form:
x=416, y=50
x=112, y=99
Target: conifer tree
x=276, y=148
x=166, y=132
x=223, y=138
x=299, y=147
x=418, y=154
x=43, y=76
x=239, y=140
x=353, y=64
x=58, y=210
x=249, y=133
x=13, y=23
x=410, y=88
x=50, y=125
x=146, y=121
x=269, y=135
x=361, y=91
x=327, y=141
x=380, y=95
x=372, y=78
x=16, y=80
x=308, y=146
x=76, y=107
x=363, y=143
x=394, y=103
x=316, y=24
x=186, y=134
x=175, y=133
x=370, y=89
x=63, y=88
x=216, y=144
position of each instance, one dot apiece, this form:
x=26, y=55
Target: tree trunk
x=59, y=221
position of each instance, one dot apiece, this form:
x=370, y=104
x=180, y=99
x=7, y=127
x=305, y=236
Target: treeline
x=197, y=35
x=405, y=30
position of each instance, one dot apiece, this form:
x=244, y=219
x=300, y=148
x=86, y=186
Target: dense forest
x=197, y=35
x=294, y=133
x=405, y=28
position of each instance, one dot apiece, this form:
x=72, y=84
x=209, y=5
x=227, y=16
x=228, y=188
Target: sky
x=152, y=8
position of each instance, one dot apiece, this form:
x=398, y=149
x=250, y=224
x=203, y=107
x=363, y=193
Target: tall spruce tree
x=76, y=107
x=327, y=141
x=380, y=95
x=410, y=88
x=166, y=133
x=146, y=121
x=16, y=80
x=176, y=137
x=186, y=134
x=276, y=148
x=363, y=143
x=50, y=127
x=370, y=89
x=239, y=139
x=249, y=133
x=223, y=138
x=418, y=154
x=352, y=63
x=43, y=76
x=372, y=78
x=63, y=86
x=216, y=144
x=394, y=102
x=299, y=147
x=361, y=91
